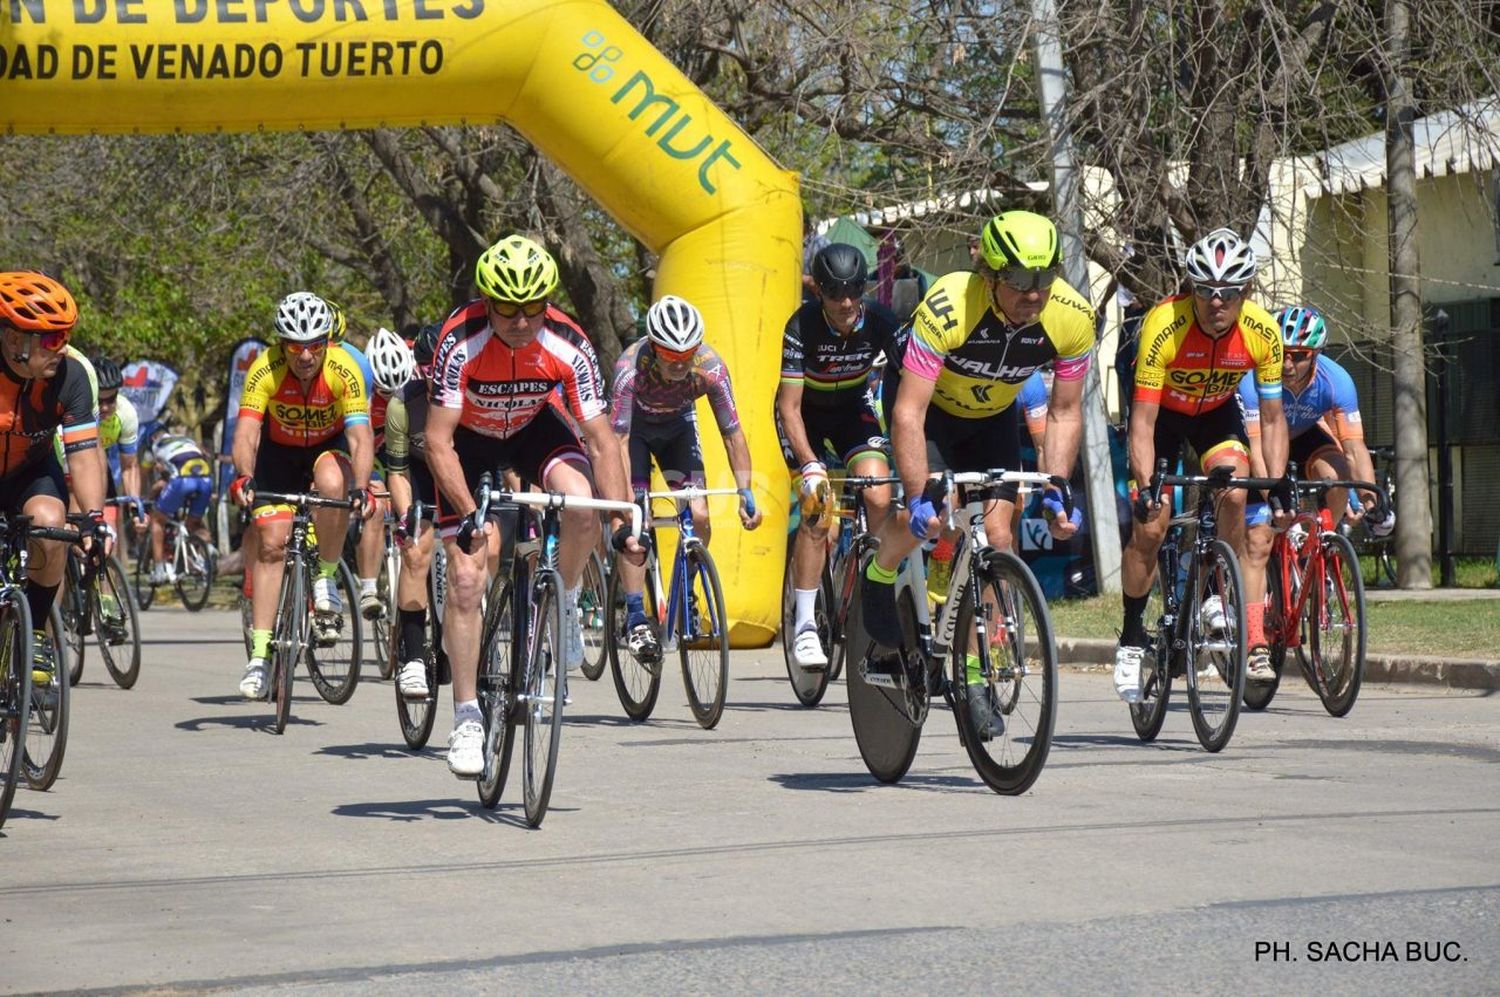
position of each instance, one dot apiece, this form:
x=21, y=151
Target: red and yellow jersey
x=1183, y=369
x=301, y=416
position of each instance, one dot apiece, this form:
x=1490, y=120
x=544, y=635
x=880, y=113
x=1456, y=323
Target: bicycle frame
x=678, y=620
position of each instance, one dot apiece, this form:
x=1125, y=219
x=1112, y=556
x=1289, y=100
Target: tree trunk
x=1413, y=508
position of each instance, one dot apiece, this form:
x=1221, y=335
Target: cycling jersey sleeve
x=348, y=386
x=791, y=352
x=1344, y=401
x=450, y=367
x=936, y=325
x=130, y=425
x=396, y=448
x=1263, y=337
x=623, y=411
x=721, y=396
x=260, y=384
x=583, y=380
x=1250, y=404
x=1157, y=348
x=80, y=425
x=1069, y=321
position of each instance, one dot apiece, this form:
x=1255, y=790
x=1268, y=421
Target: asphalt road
x=187, y=848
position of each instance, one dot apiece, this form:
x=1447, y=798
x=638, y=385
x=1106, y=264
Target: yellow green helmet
x=516, y=269
x=340, y=322
x=1020, y=239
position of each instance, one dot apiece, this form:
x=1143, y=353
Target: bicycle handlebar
x=685, y=494
x=305, y=498
x=485, y=494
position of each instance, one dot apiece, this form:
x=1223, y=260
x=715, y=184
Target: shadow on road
x=18, y=814
x=406, y=811
x=859, y=782
x=611, y=720
x=257, y=722
x=371, y=749
x=791, y=707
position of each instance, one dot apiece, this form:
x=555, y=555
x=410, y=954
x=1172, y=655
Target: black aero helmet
x=426, y=342
x=107, y=372
x=840, y=268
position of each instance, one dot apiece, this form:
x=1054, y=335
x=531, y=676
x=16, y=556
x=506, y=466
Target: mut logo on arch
x=600, y=61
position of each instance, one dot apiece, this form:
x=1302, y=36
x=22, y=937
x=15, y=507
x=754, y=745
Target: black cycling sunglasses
x=842, y=292
x=1025, y=279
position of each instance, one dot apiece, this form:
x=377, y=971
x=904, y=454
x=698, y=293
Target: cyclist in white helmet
x=656, y=381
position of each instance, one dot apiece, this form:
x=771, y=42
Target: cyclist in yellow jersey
x=302, y=403
x=1194, y=351
x=976, y=338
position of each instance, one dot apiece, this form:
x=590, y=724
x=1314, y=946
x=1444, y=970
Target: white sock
x=366, y=585
x=467, y=710
x=570, y=596
x=807, y=600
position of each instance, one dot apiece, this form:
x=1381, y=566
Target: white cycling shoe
x=326, y=596
x=413, y=680
x=253, y=684
x=807, y=649
x=466, y=750
x=1128, y=672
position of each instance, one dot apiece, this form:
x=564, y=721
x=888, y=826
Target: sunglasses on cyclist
x=108, y=399
x=298, y=349
x=1025, y=279
x=52, y=341
x=1224, y=292
x=842, y=292
x=1300, y=356
x=510, y=309
x=675, y=356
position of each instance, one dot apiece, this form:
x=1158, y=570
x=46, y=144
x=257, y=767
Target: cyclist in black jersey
x=824, y=416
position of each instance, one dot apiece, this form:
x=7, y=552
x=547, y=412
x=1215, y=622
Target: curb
x=1459, y=673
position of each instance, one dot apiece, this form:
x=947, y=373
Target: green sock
x=260, y=643
x=876, y=573
x=327, y=569
x=972, y=674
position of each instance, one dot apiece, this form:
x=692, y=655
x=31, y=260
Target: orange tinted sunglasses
x=675, y=356
x=53, y=340
x=297, y=349
x=510, y=309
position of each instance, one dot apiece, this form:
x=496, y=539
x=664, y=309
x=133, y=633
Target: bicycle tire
x=546, y=682
x=886, y=736
x=415, y=716
x=1148, y=715
x=199, y=566
x=592, y=596
x=637, y=685
x=334, y=666
x=1025, y=677
x=140, y=577
x=75, y=609
x=498, y=652
x=47, y=736
x=247, y=622
x=1219, y=572
x=111, y=581
x=287, y=645
x=809, y=686
x=15, y=691
x=387, y=581
x=1337, y=688
x=1258, y=695
x=705, y=655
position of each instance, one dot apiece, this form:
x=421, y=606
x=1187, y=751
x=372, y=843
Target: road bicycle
x=688, y=615
x=838, y=589
x=592, y=595
x=96, y=601
x=1380, y=550
x=1316, y=604
x=193, y=560
x=416, y=716
x=996, y=611
x=382, y=621
x=1195, y=615
x=329, y=644
x=522, y=678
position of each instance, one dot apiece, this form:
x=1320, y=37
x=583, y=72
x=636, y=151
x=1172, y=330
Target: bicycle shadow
x=792, y=707
x=264, y=724
x=17, y=813
x=860, y=782
x=371, y=749
x=612, y=720
x=409, y=811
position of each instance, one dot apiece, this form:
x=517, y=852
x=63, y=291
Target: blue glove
x=921, y=509
x=747, y=499
x=1053, y=508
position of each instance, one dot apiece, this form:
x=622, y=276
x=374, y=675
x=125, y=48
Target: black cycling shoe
x=984, y=711
x=877, y=608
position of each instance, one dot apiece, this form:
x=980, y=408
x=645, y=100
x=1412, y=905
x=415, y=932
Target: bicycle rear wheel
x=1258, y=695
x=542, y=700
x=15, y=691
x=1018, y=660
x=808, y=686
x=637, y=684
x=1216, y=659
x=1333, y=628
x=116, y=625
x=333, y=656
x=47, y=736
x=75, y=608
x=140, y=576
x=591, y=610
x=1148, y=715
x=704, y=648
x=195, y=575
x=382, y=626
x=415, y=716
x=885, y=727
x=498, y=656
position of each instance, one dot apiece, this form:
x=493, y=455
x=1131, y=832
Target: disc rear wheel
x=884, y=728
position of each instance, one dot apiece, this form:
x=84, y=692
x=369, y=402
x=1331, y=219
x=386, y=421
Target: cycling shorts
x=676, y=449
x=994, y=441
x=192, y=490
x=282, y=468
x=1210, y=433
x=532, y=452
x=839, y=437
x=42, y=477
x=1305, y=446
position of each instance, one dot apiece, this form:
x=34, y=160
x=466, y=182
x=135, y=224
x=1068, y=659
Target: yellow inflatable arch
x=573, y=77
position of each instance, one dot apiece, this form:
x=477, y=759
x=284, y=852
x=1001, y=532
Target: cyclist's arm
x=737, y=449
x=400, y=491
x=361, y=451
x=246, y=443
x=908, y=431
x=87, y=469
x=1142, y=441
x=1361, y=467
x=1275, y=438
x=1064, y=427
x=442, y=459
x=789, y=407
x=130, y=474
x=609, y=465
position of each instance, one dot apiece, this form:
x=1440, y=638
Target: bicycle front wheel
x=334, y=656
x=637, y=684
x=15, y=691
x=1216, y=654
x=1005, y=617
x=591, y=610
x=704, y=646
x=1333, y=628
x=808, y=686
x=542, y=696
x=116, y=625
x=75, y=609
x=1148, y=715
x=195, y=573
x=47, y=736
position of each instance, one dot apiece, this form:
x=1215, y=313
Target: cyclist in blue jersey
x=186, y=480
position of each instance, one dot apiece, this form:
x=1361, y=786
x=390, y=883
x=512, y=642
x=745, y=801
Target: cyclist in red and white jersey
x=500, y=358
